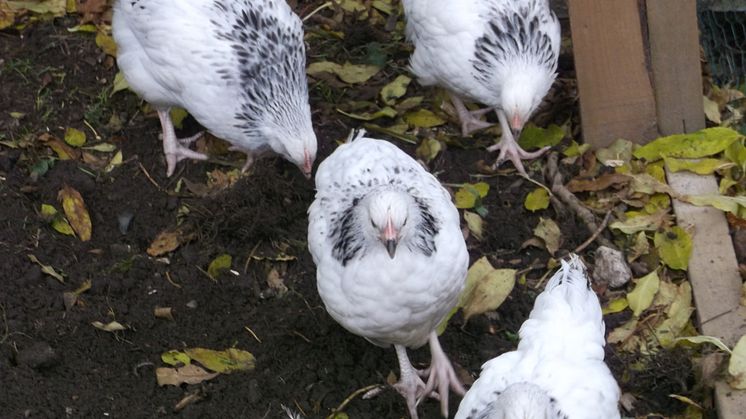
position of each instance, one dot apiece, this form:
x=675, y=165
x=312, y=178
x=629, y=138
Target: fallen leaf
x=737, y=365
x=101, y=147
x=106, y=43
x=538, y=199
x=642, y=296
x=533, y=137
x=115, y=161
x=7, y=15
x=674, y=247
x=76, y=212
x=732, y=204
x=712, y=110
x=645, y=183
x=641, y=246
x=677, y=316
x=218, y=265
x=188, y=374
x=275, y=282
x=387, y=112
x=698, y=166
x=615, y=306
x=694, y=145
x=623, y=332
x=395, y=89
x=120, y=83
x=698, y=340
x=56, y=220
x=226, y=361
x=348, y=73
x=598, y=184
x=176, y=358
x=550, y=233
x=64, y=151
x=423, y=118
x=657, y=202
x=92, y=10
x=736, y=153
x=617, y=154
x=112, y=326
x=47, y=269
x=54, y=8
x=686, y=400
x=169, y=240
x=469, y=195
x=163, y=313
x=428, y=149
x=486, y=288
x=642, y=222
x=474, y=222
x=74, y=137
x=576, y=149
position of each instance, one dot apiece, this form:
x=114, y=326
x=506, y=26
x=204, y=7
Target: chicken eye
x=373, y=223
x=405, y=222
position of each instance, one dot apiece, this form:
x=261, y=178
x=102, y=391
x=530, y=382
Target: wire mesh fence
x=722, y=27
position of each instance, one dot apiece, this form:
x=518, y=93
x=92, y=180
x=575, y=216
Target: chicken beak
x=516, y=126
x=307, y=168
x=390, y=238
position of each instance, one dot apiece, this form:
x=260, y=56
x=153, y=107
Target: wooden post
x=616, y=94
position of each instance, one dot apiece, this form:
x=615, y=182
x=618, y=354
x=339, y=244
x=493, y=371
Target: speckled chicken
x=558, y=370
x=390, y=256
x=502, y=53
x=237, y=66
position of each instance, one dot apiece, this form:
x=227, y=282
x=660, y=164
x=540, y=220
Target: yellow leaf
x=428, y=149
x=348, y=73
x=698, y=340
x=47, y=269
x=615, y=306
x=674, y=247
x=175, y=358
x=55, y=8
x=468, y=195
x=533, y=137
x=423, y=118
x=642, y=296
x=108, y=327
x=388, y=112
x=486, y=288
x=550, y=233
x=115, y=161
x=616, y=155
x=694, y=145
x=712, y=110
x=698, y=166
x=737, y=365
x=226, y=361
x=120, y=83
x=218, y=265
x=677, y=316
x=177, y=116
x=647, y=222
x=538, y=199
x=474, y=222
x=106, y=43
x=76, y=212
x=623, y=332
x=657, y=202
x=74, y=137
x=395, y=89
x=56, y=220
x=7, y=15
x=576, y=149
x=730, y=204
x=188, y=374
x=640, y=247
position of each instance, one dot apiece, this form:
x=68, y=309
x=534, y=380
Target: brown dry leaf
x=598, y=184
x=189, y=374
x=113, y=326
x=92, y=10
x=169, y=240
x=163, y=313
x=64, y=151
x=76, y=212
x=70, y=298
x=7, y=15
x=275, y=281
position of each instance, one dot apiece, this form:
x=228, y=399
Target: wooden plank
x=616, y=95
x=674, y=55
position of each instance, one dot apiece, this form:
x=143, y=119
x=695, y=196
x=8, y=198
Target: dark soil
x=54, y=363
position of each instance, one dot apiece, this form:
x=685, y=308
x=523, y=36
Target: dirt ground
x=54, y=364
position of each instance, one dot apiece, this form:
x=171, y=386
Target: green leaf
x=106, y=43
x=617, y=154
x=225, y=362
x=694, y=145
x=646, y=222
x=56, y=220
x=120, y=83
x=674, y=247
x=74, y=137
x=348, y=73
x=218, y=265
x=737, y=365
x=175, y=358
x=615, y=306
x=538, y=199
x=486, y=288
x=730, y=204
x=395, y=89
x=423, y=118
x=678, y=315
x=698, y=166
x=469, y=195
x=736, y=153
x=550, y=233
x=533, y=137
x=576, y=149
x=642, y=296
x=388, y=112
x=102, y=147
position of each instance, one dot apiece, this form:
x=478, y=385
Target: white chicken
x=391, y=260
x=237, y=66
x=558, y=370
x=502, y=53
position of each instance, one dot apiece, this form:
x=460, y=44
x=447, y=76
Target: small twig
x=248, y=258
x=349, y=398
x=98, y=137
x=150, y=178
x=171, y=281
x=297, y=333
x=595, y=234
x=316, y=10
x=206, y=274
x=569, y=199
x=537, y=183
x=136, y=368
x=248, y=329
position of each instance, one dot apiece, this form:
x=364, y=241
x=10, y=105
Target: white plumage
x=390, y=256
x=558, y=370
x=502, y=53
x=237, y=66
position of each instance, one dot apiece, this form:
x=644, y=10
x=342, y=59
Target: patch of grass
x=96, y=113
x=20, y=66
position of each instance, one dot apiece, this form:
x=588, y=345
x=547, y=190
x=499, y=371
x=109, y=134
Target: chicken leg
x=441, y=376
x=410, y=385
x=176, y=149
x=470, y=121
x=509, y=148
